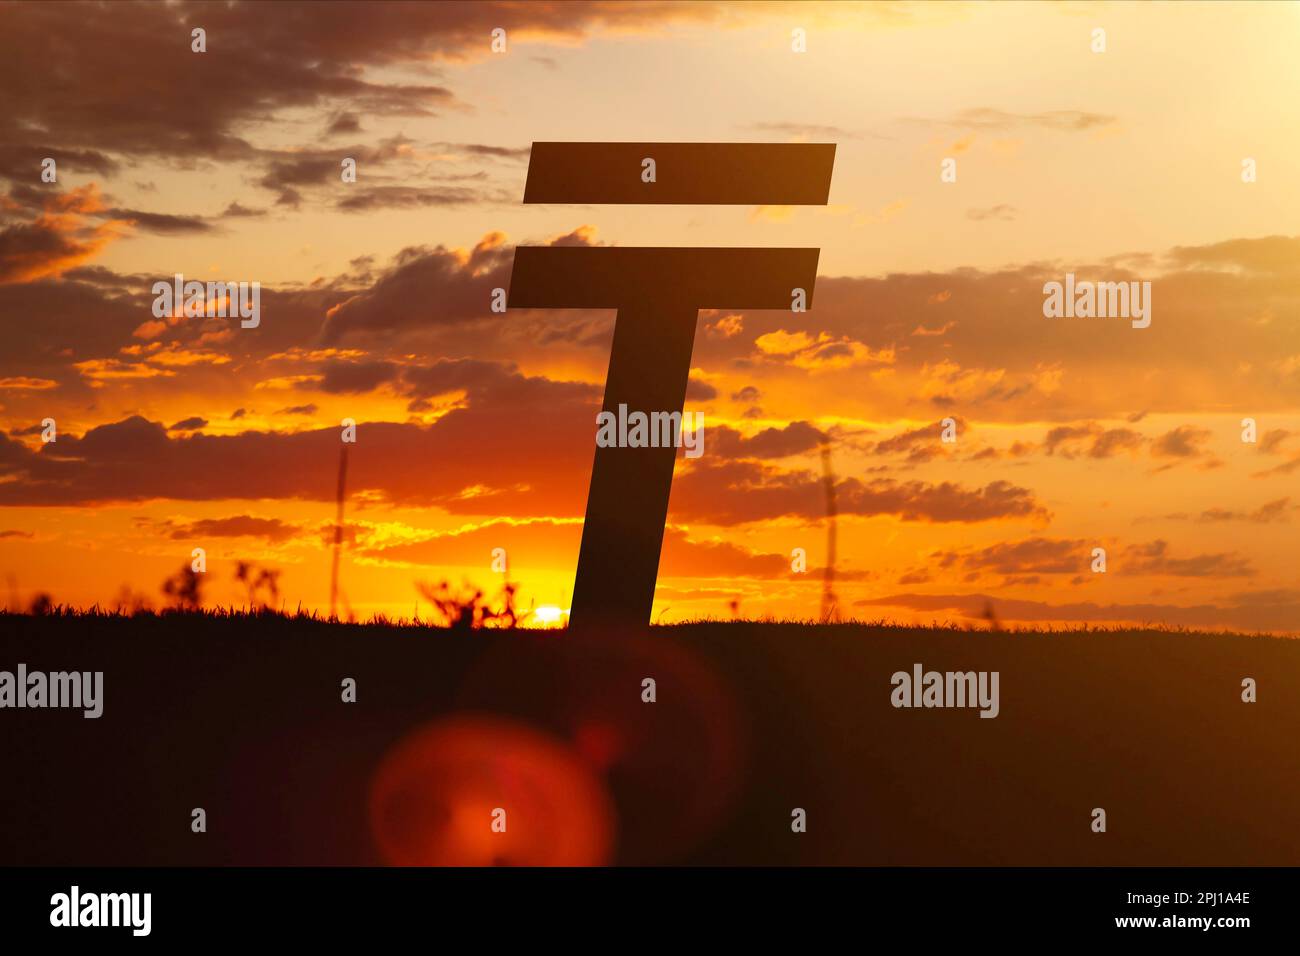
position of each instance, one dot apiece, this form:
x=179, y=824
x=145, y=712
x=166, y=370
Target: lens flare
x=488, y=792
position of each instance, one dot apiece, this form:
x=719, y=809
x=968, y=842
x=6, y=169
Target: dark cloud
x=416, y=197
x=256, y=64
x=189, y=424
x=1092, y=439
x=59, y=238
x=1186, y=441
x=261, y=62
x=518, y=153
x=477, y=377
x=1271, y=441
x=29, y=430
x=343, y=123
x=521, y=446
x=1258, y=611
x=30, y=251
x=698, y=390
x=739, y=492
x=1036, y=555
x=237, y=211
x=284, y=176
x=447, y=287
x=20, y=160
x=90, y=315
x=920, y=444
x=160, y=223
x=239, y=526
x=793, y=439
x=353, y=377
x=1114, y=440
x=1153, y=558
x=518, y=445
x=100, y=276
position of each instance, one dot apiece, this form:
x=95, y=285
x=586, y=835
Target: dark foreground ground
x=244, y=718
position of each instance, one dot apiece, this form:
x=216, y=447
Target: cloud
x=989, y=118
x=343, y=122
x=1014, y=366
x=793, y=439
x=58, y=239
x=547, y=543
x=26, y=383
x=1101, y=442
x=160, y=223
x=237, y=211
x=1002, y=361
x=1033, y=555
x=1001, y=212
x=416, y=197
x=1270, y=442
x=238, y=526
x=354, y=377
x=683, y=557
x=449, y=286
x=803, y=131
x=515, y=153
x=823, y=352
x=1271, y=511
x=258, y=68
x=1114, y=440
x=739, y=492
x=920, y=444
x=1097, y=441
x=1275, y=611
x=519, y=445
x=1153, y=558
x=1268, y=256
x=782, y=342
x=698, y=390
x=16, y=154
x=193, y=114
x=1186, y=441
x=189, y=424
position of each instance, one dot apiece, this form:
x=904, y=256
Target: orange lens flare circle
x=488, y=792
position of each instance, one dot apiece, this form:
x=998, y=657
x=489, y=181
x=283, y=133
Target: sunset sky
x=476, y=430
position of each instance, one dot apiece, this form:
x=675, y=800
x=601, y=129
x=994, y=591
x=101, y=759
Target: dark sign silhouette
x=658, y=293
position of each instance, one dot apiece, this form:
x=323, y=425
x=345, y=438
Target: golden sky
x=476, y=429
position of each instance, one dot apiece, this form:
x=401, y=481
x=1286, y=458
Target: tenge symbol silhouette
x=658, y=293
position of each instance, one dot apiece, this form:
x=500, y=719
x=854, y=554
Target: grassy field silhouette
x=241, y=714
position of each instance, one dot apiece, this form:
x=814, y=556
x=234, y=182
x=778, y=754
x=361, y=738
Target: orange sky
x=476, y=429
